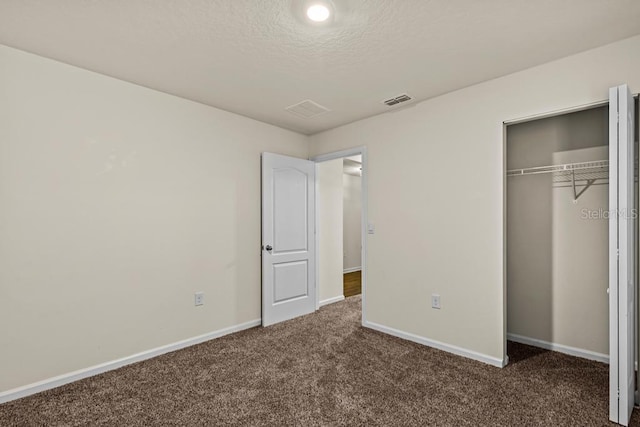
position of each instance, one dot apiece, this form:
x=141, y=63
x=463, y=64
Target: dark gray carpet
x=325, y=369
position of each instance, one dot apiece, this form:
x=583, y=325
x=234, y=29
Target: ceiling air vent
x=307, y=109
x=397, y=100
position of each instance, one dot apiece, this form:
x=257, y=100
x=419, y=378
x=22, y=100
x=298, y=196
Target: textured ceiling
x=256, y=57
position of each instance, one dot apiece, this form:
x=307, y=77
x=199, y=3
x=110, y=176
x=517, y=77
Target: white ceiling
x=256, y=57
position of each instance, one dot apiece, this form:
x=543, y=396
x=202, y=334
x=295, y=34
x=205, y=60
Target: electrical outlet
x=435, y=301
x=199, y=298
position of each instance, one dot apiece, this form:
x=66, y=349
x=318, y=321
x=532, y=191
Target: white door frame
x=505, y=125
x=533, y=117
x=362, y=150
x=622, y=283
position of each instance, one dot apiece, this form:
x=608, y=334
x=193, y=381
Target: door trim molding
x=361, y=150
x=559, y=112
x=60, y=380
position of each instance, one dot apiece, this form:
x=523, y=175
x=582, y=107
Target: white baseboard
x=470, y=354
x=331, y=300
x=572, y=351
x=351, y=270
x=63, y=379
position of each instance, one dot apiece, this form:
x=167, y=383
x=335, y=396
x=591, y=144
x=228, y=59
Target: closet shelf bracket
x=576, y=194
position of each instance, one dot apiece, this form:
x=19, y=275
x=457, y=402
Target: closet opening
x=557, y=240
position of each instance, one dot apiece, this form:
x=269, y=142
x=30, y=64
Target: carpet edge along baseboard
x=60, y=380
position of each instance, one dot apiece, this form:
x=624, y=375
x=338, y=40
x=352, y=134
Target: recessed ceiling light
x=318, y=12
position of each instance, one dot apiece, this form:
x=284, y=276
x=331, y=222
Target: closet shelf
x=582, y=168
x=586, y=173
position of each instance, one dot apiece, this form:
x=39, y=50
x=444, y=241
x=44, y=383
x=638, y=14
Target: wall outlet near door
x=199, y=298
x=435, y=301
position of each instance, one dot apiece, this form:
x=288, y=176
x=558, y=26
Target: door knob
x=269, y=248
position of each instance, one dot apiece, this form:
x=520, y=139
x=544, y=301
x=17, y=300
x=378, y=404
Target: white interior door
x=288, y=238
x=621, y=255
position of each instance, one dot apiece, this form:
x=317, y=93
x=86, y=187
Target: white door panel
x=622, y=255
x=288, y=238
x=613, y=255
x=290, y=281
x=290, y=210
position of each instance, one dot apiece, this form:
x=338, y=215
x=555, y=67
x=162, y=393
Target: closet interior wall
x=557, y=247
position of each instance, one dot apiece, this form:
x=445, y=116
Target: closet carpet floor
x=325, y=369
